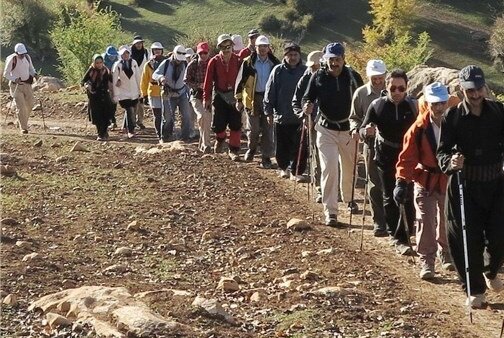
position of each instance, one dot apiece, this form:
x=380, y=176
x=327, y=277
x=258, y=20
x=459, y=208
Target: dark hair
x=397, y=73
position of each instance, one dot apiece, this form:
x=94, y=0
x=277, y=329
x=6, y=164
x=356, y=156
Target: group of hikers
x=433, y=165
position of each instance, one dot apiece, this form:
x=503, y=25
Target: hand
x=401, y=191
x=162, y=80
x=370, y=130
x=208, y=105
x=355, y=135
x=239, y=105
x=308, y=108
x=457, y=161
x=270, y=119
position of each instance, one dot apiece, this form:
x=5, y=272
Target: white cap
x=124, y=49
x=237, y=41
x=156, y=45
x=189, y=52
x=375, y=67
x=436, y=92
x=314, y=58
x=20, y=49
x=179, y=53
x=262, y=40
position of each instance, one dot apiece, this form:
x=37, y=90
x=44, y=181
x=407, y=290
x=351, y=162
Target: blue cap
x=436, y=92
x=111, y=50
x=334, y=49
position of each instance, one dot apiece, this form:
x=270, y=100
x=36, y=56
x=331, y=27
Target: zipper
x=396, y=113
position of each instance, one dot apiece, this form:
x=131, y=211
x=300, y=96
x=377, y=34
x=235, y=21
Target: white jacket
x=129, y=88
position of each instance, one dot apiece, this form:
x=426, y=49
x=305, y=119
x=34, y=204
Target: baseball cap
x=375, y=67
x=262, y=40
x=471, y=77
x=222, y=38
x=334, y=49
x=202, y=47
x=253, y=32
x=436, y=92
x=19, y=48
x=291, y=46
x=179, y=53
x=314, y=58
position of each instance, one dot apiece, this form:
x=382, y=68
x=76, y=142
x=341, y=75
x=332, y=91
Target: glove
x=401, y=191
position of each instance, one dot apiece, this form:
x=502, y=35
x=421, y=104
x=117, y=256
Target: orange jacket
x=417, y=160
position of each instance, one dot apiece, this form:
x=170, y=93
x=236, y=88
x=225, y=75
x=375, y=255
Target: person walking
x=170, y=74
x=417, y=163
x=141, y=55
x=333, y=87
x=280, y=90
x=250, y=88
x=252, y=36
x=150, y=89
x=392, y=115
x=98, y=84
x=194, y=78
x=20, y=72
x=376, y=71
x=470, y=152
x=220, y=79
x=109, y=58
x=126, y=77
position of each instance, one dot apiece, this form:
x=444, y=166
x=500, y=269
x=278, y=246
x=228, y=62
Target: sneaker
x=141, y=126
x=353, y=207
x=298, y=178
x=380, y=232
x=446, y=261
x=219, y=147
x=494, y=284
x=266, y=163
x=234, y=156
x=283, y=173
x=332, y=221
x=131, y=135
x=427, y=271
x=99, y=138
x=404, y=249
x=476, y=301
x=24, y=131
x=318, y=198
x=249, y=156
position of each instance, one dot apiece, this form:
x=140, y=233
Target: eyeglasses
x=181, y=53
x=401, y=89
x=224, y=47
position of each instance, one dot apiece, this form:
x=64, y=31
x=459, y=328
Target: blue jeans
x=168, y=120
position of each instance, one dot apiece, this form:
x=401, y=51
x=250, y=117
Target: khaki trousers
x=204, y=120
x=23, y=97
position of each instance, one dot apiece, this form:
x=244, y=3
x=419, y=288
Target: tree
x=496, y=43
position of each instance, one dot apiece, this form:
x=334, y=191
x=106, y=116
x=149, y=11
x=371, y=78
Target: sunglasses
x=181, y=53
x=224, y=47
x=401, y=89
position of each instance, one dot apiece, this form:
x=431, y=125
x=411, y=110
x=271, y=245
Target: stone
x=213, y=309
x=48, y=84
x=56, y=321
x=9, y=222
x=174, y=293
x=310, y=275
x=297, y=224
x=10, y=299
x=79, y=147
x=331, y=291
x=116, y=268
x=38, y=143
x=7, y=170
x=325, y=252
x=23, y=244
x=306, y=253
x=256, y=297
x=133, y=226
x=228, y=285
x=37, y=107
x=123, y=251
x=37, y=220
x=62, y=159
x=30, y=257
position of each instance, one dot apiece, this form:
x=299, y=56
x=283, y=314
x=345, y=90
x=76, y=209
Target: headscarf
x=96, y=74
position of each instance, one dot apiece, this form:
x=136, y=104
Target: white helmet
x=20, y=49
x=156, y=45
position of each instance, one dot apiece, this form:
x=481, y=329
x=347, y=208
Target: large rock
x=213, y=309
x=112, y=311
x=48, y=84
x=297, y=224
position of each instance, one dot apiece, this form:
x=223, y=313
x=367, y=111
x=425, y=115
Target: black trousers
x=484, y=216
x=288, y=138
x=158, y=116
x=129, y=114
x=225, y=115
x=391, y=209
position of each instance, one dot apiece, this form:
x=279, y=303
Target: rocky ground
x=208, y=236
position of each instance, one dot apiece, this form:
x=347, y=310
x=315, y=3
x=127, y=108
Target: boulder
x=48, y=84
x=56, y=321
x=297, y=224
x=422, y=75
x=79, y=147
x=213, y=309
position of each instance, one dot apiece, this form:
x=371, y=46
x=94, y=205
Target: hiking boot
x=266, y=163
x=283, y=173
x=476, y=301
x=249, y=156
x=404, y=249
x=380, y=232
x=318, y=198
x=353, y=207
x=427, y=271
x=219, y=146
x=332, y=221
x=234, y=156
x=446, y=261
x=141, y=126
x=494, y=284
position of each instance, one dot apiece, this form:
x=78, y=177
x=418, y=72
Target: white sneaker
x=298, y=178
x=283, y=173
x=494, y=284
x=476, y=301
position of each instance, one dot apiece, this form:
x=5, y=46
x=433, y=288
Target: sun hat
x=222, y=38
x=179, y=52
x=436, y=92
x=375, y=67
x=237, y=41
x=314, y=58
x=19, y=48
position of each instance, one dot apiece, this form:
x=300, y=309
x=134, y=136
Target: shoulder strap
x=353, y=82
x=14, y=63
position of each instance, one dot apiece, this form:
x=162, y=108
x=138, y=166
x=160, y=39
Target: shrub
x=496, y=43
x=291, y=15
x=270, y=23
x=80, y=33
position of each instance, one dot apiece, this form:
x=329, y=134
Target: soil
x=202, y=218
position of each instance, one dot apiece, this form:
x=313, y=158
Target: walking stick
x=299, y=152
x=353, y=183
x=10, y=105
x=368, y=157
x=313, y=159
x=42, y=112
x=402, y=210
x=464, y=237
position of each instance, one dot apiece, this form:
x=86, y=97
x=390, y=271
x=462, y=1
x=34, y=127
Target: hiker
x=220, y=78
x=141, y=56
x=250, y=88
x=417, y=163
x=237, y=43
x=376, y=71
x=387, y=119
x=98, y=84
x=194, y=78
x=126, y=87
x=189, y=53
x=252, y=36
x=150, y=89
x=290, y=157
x=471, y=146
x=109, y=58
x=313, y=64
x=333, y=86
x=20, y=73
x=170, y=75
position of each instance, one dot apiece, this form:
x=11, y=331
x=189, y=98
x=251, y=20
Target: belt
x=259, y=93
x=482, y=173
x=387, y=142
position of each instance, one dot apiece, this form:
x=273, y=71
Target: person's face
x=138, y=45
x=98, y=63
x=378, y=81
x=396, y=88
x=437, y=108
x=125, y=56
x=315, y=67
x=335, y=64
x=112, y=57
x=292, y=58
x=475, y=96
x=252, y=39
x=157, y=52
x=203, y=56
x=21, y=56
x=262, y=50
x=226, y=47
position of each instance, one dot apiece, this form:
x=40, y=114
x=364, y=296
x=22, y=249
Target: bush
x=496, y=43
x=80, y=33
x=196, y=36
x=270, y=23
x=291, y=15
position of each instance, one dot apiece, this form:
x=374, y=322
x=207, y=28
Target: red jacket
x=221, y=75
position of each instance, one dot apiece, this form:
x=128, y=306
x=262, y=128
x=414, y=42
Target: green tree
x=496, y=43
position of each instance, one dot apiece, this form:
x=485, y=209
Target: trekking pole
x=402, y=211
x=313, y=159
x=366, y=182
x=299, y=152
x=10, y=104
x=464, y=238
x=42, y=113
x=353, y=183
x=502, y=328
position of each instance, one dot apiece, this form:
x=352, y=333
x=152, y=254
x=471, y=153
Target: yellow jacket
x=149, y=87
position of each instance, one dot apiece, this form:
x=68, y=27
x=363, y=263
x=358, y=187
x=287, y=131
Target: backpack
x=14, y=61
